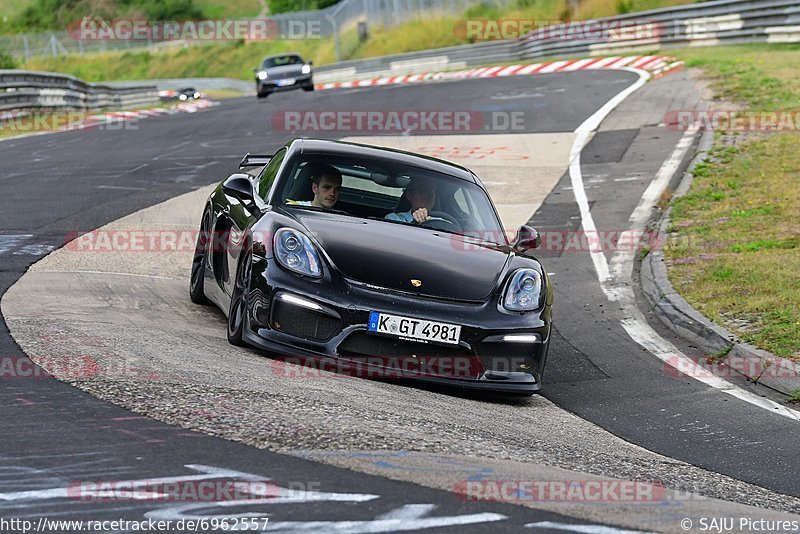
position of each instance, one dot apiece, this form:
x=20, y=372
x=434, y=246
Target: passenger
x=326, y=184
x=421, y=194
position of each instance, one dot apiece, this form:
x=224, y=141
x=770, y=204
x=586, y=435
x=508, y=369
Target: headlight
x=197, y=94
x=524, y=291
x=295, y=252
x=262, y=75
x=182, y=97
x=305, y=69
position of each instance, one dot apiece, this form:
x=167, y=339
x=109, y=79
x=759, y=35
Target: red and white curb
x=657, y=65
x=121, y=116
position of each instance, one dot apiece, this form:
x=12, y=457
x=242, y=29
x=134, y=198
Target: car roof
x=341, y=148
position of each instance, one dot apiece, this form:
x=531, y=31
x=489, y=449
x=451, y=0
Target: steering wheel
x=441, y=217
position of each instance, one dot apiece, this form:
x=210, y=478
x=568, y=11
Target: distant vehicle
x=283, y=73
x=188, y=93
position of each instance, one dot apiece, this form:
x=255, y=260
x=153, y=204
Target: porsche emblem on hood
x=415, y=282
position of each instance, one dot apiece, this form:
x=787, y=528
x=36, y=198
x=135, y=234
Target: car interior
x=281, y=61
x=372, y=190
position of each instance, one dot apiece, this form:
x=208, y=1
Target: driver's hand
x=421, y=215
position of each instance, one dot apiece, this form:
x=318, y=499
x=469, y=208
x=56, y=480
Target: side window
x=267, y=176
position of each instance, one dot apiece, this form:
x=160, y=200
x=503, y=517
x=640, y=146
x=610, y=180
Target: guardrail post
x=335, y=36
x=26, y=47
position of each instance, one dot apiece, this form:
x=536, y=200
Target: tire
x=197, y=279
x=262, y=94
x=238, y=309
x=309, y=87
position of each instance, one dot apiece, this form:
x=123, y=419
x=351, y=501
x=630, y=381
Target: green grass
x=736, y=245
x=214, y=9
x=236, y=60
x=764, y=77
x=735, y=248
x=231, y=60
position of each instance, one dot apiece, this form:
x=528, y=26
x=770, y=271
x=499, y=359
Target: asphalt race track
x=600, y=383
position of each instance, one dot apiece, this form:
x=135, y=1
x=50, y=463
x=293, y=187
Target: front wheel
x=238, y=311
x=197, y=279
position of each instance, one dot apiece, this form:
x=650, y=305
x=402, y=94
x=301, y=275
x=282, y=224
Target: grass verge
x=236, y=60
x=734, y=248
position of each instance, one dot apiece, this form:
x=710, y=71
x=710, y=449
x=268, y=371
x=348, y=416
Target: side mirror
x=528, y=238
x=239, y=186
x=311, y=63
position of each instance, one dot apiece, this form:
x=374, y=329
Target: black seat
x=301, y=188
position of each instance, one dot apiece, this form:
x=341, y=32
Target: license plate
x=281, y=83
x=414, y=329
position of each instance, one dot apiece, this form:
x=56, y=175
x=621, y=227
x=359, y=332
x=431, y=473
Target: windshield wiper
x=317, y=208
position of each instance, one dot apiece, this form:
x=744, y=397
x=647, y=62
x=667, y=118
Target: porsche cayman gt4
x=321, y=252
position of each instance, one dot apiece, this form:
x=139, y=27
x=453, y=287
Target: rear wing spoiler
x=254, y=160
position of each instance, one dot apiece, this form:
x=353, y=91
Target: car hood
x=390, y=255
x=285, y=71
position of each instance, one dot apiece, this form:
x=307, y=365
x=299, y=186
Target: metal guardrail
x=704, y=24
x=27, y=90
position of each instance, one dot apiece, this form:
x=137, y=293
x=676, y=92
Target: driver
x=421, y=194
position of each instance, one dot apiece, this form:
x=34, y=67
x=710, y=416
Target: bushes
x=59, y=14
x=7, y=61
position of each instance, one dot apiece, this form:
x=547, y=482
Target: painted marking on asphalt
x=582, y=136
x=382, y=525
x=403, y=518
x=10, y=242
x=584, y=529
x=208, y=473
x=35, y=249
x=121, y=187
x=617, y=286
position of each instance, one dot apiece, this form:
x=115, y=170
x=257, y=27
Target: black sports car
x=352, y=279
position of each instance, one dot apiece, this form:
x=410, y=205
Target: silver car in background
x=282, y=73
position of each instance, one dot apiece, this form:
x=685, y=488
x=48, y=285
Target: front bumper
x=330, y=328
x=275, y=85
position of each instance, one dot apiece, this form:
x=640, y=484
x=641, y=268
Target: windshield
x=281, y=61
x=389, y=192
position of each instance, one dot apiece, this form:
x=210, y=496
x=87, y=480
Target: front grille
x=362, y=344
x=303, y=322
x=408, y=357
